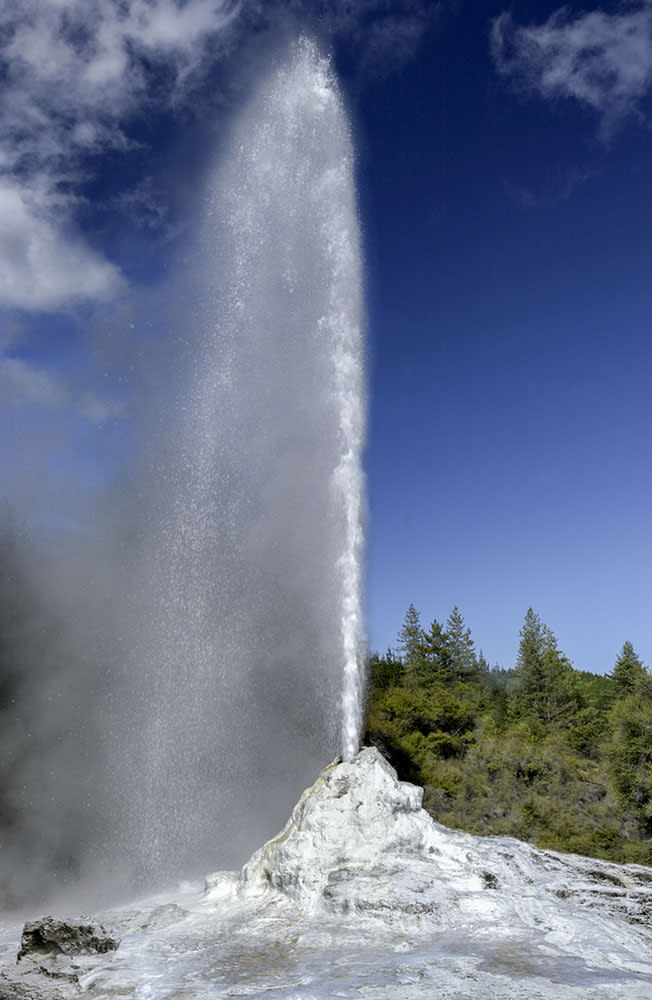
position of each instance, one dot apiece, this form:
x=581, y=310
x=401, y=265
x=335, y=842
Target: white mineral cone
x=359, y=842
x=357, y=818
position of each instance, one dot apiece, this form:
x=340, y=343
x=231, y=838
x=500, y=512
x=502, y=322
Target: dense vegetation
x=543, y=752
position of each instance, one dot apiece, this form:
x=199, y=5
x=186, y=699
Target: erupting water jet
x=251, y=629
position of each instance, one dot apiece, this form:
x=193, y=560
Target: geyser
x=246, y=673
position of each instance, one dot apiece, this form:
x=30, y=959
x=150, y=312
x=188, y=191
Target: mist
x=191, y=680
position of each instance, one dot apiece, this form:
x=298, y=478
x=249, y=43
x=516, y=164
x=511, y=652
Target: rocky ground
x=362, y=895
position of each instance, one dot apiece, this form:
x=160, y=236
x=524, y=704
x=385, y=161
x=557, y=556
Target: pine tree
x=530, y=647
x=483, y=666
x=628, y=670
x=411, y=640
x=460, y=647
x=436, y=652
x=548, y=689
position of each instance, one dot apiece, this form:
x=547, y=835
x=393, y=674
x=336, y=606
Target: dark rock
x=490, y=880
x=49, y=936
x=30, y=986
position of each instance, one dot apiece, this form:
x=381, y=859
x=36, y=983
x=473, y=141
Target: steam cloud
x=80, y=78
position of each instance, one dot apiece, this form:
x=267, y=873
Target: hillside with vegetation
x=552, y=755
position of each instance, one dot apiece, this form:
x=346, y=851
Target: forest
x=558, y=757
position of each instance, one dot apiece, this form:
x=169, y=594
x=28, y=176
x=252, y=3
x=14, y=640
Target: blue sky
x=508, y=455
x=503, y=164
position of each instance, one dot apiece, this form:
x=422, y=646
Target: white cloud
x=602, y=60
x=41, y=267
x=69, y=60
x=74, y=70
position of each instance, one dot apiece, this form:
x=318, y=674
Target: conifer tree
x=483, y=666
x=547, y=686
x=460, y=647
x=411, y=640
x=628, y=670
x=530, y=647
x=436, y=652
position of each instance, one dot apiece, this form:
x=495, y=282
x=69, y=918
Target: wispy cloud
x=73, y=72
x=602, y=60
x=386, y=34
x=75, y=68
x=42, y=266
x=23, y=382
x=557, y=185
x=521, y=195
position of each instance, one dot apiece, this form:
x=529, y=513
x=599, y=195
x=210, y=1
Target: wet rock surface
x=359, y=840
x=362, y=894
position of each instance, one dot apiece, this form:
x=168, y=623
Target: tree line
x=541, y=751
